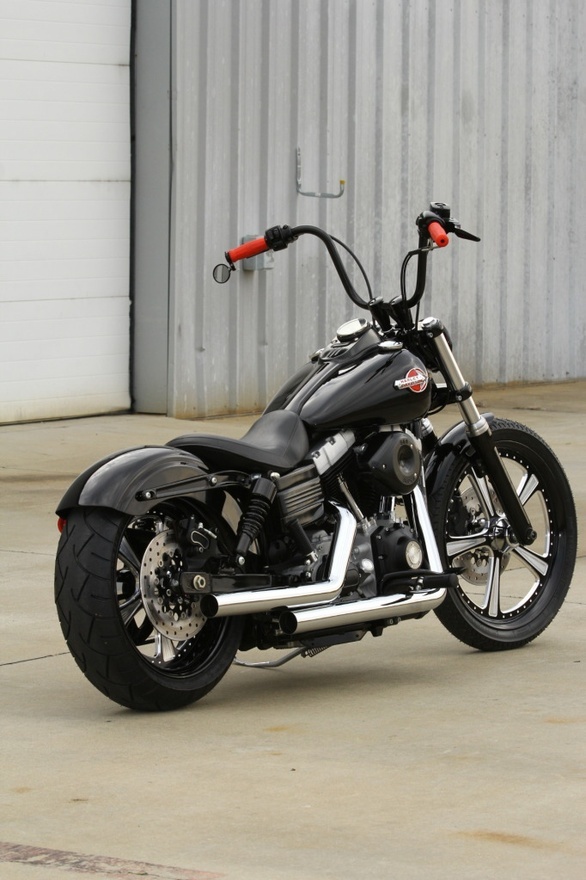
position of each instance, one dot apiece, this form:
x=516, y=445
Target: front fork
x=479, y=433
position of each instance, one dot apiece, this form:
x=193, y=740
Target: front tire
x=143, y=651
x=508, y=593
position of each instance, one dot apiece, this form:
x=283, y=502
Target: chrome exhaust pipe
x=362, y=611
x=256, y=601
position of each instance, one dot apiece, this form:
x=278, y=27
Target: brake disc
x=173, y=613
x=475, y=563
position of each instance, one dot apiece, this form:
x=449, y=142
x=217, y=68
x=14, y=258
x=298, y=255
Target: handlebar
x=277, y=238
x=434, y=226
x=438, y=234
x=246, y=250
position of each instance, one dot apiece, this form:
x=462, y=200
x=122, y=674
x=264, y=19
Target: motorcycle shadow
x=335, y=672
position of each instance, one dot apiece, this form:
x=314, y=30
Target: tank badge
x=415, y=380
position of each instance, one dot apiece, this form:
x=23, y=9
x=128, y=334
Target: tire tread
x=93, y=629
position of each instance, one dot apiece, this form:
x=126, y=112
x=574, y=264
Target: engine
x=388, y=465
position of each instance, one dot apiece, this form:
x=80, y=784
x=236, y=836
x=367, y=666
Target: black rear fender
x=132, y=480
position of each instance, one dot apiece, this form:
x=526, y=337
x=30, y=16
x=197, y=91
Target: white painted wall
x=64, y=208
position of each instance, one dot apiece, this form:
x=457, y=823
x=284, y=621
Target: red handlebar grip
x=248, y=249
x=438, y=234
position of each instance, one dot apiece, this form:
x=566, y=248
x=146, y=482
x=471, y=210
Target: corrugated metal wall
x=479, y=104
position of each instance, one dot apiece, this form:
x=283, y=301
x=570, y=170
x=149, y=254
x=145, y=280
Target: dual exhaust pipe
x=364, y=611
x=258, y=601
x=322, y=615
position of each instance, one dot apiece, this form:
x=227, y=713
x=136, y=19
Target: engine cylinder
x=300, y=496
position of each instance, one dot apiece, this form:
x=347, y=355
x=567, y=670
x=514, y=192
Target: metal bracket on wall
x=316, y=195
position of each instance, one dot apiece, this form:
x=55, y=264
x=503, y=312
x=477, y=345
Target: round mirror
x=222, y=273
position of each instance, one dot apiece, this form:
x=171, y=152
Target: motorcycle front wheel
x=135, y=634
x=508, y=593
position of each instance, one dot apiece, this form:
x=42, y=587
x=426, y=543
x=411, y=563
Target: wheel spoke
x=130, y=607
x=492, y=598
x=483, y=493
x=534, y=561
x=165, y=649
x=128, y=556
x=528, y=485
x=457, y=545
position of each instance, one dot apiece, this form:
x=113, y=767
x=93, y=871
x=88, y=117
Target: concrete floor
x=408, y=756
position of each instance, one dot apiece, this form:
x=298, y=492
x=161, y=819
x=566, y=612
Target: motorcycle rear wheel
x=137, y=650
x=508, y=593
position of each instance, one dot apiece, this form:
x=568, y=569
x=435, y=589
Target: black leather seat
x=277, y=441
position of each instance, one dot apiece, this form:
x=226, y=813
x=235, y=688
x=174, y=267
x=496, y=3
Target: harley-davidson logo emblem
x=416, y=380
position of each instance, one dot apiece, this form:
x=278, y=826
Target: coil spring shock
x=262, y=496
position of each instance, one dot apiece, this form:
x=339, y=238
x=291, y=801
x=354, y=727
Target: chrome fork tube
x=480, y=434
x=476, y=424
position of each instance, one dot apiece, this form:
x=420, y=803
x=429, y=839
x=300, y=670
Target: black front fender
x=454, y=442
x=121, y=480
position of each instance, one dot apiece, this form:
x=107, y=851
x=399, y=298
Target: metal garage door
x=64, y=208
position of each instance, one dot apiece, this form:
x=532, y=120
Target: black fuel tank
x=380, y=387
x=385, y=387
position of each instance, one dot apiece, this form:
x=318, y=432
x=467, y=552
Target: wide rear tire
x=137, y=647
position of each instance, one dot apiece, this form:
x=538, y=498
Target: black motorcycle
x=339, y=513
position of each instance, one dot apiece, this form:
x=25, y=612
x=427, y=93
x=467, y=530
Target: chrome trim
x=451, y=370
x=478, y=428
x=390, y=345
x=427, y=533
x=362, y=611
x=256, y=601
x=448, y=361
x=327, y=454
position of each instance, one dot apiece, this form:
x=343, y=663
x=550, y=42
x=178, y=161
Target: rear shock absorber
x=261, y=498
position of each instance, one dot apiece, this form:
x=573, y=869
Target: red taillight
x=61, y=523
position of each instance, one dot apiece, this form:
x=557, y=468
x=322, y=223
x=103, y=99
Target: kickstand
x=273, y=664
